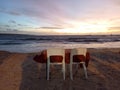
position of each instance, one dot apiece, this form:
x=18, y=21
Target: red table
x=42, y=57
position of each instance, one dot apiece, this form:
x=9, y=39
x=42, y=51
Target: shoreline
x=18, y=71
x=38, y=51
x=97, y=48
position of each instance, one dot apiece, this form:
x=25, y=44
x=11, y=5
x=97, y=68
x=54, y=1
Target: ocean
x=36, y=43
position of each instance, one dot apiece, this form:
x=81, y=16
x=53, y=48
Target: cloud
x=15, y=30
x=40, y=10
x=12, y=30
x=117, y=2
x=8, y=29
x=19, y=24
x=52, y=11
x=12, y=21
x=7, y=26
x=115, y=28
x=50, y=28
x=14, y=13
x=22, y=25
x=11, y=12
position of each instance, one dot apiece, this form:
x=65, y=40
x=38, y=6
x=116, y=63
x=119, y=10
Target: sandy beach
x=18, y=71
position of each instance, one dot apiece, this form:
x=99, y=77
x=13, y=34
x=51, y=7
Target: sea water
x=36, y=43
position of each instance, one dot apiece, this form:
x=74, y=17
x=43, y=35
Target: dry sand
x=18, y=71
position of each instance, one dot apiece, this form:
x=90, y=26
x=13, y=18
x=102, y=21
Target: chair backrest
x=55, y=51
x=78, y=51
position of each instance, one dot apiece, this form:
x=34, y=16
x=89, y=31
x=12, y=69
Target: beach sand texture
x=18, y=71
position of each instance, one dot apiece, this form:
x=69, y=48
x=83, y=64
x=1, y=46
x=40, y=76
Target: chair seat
x=56, y=58
x=78, y=58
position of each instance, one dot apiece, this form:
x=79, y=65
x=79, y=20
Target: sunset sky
x=60, y=17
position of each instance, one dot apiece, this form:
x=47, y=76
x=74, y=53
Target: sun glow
x=84, y=28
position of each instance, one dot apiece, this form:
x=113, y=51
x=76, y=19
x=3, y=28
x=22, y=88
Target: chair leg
x=85, y=70
x=71, y=76
x=77, y=67
x=63, y=71
x=48, y=70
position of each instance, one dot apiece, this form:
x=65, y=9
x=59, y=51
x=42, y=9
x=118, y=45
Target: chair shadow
x=32, y=78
